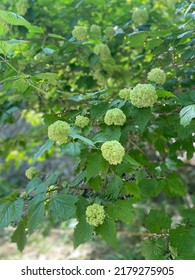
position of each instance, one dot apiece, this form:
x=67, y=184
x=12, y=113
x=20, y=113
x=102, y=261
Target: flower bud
x=59, y=131
x=31, y=172
x=113, y=152
x=81, y=121
x=80, y=33
x=140, y=16
x=115, y=116
x=95, y=215
x=157, y=76
x=143, y=95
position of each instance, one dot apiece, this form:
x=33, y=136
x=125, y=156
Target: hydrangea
x=115, y=116
x=157, y=76
x=59, y=131
x=80, y=33
x=143, y=95
x=103, y=51
x=31, y=172
x=113, y=152
x=124, y=93
x=95, y=31
x=140, y=16
x=95, y=215
x=81, y=121
x=109, y=32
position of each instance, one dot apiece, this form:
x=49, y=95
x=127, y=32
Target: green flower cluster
x=81, y=121
x=31, y=172
x=22, y=7
x=115, y=116
x=59, y=131
x=95, y=215
x=95, y=31
x=124, y=93
x=109, y=32
x=143, y=95
x=140, y=16
x=80, y=33
x=113, y=152
x=157, y=76
x=103, y=51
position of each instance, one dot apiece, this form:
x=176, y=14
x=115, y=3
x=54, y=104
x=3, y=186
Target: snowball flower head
x=109, y=32
x=157, y=76
x=59, y=131
x=80, y=33
x=140, y=16
x=31, y=172
x=95, y=215
x=113, y=152
x=103, y=51
x=115, y=116
x=81, y=121
x=143, y=95
x=124, y=93
x=95, y=31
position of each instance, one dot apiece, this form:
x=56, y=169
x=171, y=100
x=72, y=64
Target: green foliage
x=111, y=82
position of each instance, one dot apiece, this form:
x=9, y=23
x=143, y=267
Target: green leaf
x=152, y=43
x=81, y=207
x=50, y=77
x=15, y=19
x=187, y=114
x=153, y=249
x=78, y=179
x=157, y=221
x=45, y=147
x=184, y=241
x=113, y=187
x=62, y=206
x=133, y=189
x=96, y=183
x=163, y=93
x=36, y=212
x=137, y=38
x=129, y=159
x=149, y=187
x=189, y=216
x=33, y=184
x=21, y=85
x=110, y=133
x=82, y=138
x=96, y=165
x=56, y=36
x=173, y=185
x=121, y=210
x=11, y=211
x=83, y=232
x=98, y=110
x=10, y=46
x=108, y=232
x=19, y=236
x=72, y=148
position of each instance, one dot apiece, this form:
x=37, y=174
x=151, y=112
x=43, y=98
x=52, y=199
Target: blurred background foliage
x=51, y=76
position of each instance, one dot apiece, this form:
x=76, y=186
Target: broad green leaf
x=10, y=46
x=154, y=249
x=21, y=85
x=149, y=187
x=83, y=232
x=187, y=114
x=137, y=38
x=113, y=187
x=11, y=211
x=72, y=148
x=81, y=206
x=33, y=184
x=45, y=147
x=163, y=93
x=152, y=43
x=121, y=210
x=173, y=185
x=157, y=221
x=183, y=240
x=108, y=232
x=129, y=159
x=189, y=216
x=96, y=183
x=62, y=206
x=15, y=19
x=50, y=180
x=96, y=165
x=56, y=36
x=50, y=77
x=110, y=133
x=19, y=236
x=98, y=110
x=36, y=212
x=132, y=189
